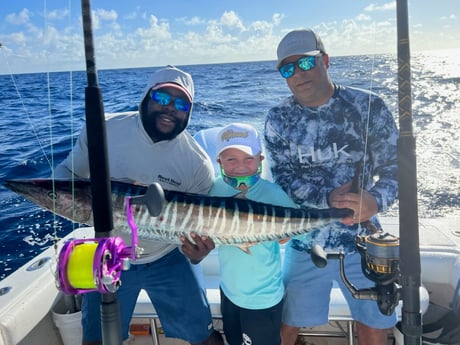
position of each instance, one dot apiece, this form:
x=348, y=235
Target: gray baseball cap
x=173, y=77
x=299, y=42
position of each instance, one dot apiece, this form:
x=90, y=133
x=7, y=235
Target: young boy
x=251, y=283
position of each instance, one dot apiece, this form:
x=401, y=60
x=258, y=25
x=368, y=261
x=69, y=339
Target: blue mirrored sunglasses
x=164, y=98
x=305, y=63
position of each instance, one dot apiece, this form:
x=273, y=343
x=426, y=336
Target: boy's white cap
x=240, y=136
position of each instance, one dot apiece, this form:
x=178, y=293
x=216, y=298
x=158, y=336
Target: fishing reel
x=379, y=263
x=87, y=265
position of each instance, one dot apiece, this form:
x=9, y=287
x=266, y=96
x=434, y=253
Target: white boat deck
x=439, y=239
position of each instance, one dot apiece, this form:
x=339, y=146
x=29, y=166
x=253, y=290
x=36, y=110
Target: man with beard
x=148, y=146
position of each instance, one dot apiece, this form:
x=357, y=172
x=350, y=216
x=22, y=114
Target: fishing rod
x=395, y=278
x=95, y=265
x=407, y=180
x=99, y=172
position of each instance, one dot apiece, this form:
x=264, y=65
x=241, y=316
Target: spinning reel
x=87, y=265
x=379, y=262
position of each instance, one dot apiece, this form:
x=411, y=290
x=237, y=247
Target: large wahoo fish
x=226, y=220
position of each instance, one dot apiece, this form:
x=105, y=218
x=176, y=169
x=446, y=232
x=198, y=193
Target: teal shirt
x=253, y=280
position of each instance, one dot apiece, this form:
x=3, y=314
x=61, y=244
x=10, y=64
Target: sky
x=46, y=36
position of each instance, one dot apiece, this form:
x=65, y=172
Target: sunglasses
x=305, y=63
x=238, y=181
x=164, y=98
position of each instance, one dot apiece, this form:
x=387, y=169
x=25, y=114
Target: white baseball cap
x=240, y=136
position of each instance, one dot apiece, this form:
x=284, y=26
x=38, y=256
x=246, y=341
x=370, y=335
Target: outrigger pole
x=407, y=179
x=99, y=172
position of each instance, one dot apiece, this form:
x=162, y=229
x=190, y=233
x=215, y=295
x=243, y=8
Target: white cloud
x=137, y=12
x=231, y=19
x=192, y=21
x=385, y=7
x=157, y=30
x=138, y=38
x=215, y=35
x=277, y=18
x=18, y=19
x=106, y=15
x=262, y=26
x=449, y=17
x=100, y=15
x=130, y=16
x=363, y=17
x=58, y=14
x=17, y=38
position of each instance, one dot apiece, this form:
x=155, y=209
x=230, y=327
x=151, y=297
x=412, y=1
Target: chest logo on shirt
x=310, y=155
x=168, y=180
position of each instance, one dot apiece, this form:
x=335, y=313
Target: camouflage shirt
x=314, y=150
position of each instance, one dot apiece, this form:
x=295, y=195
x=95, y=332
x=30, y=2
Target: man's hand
x=363, y=204
x=198, y=250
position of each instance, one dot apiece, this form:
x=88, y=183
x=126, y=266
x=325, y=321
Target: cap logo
x=231, y=134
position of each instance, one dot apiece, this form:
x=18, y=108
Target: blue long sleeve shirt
x=314, y=150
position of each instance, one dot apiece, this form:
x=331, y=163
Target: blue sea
x=41, y=115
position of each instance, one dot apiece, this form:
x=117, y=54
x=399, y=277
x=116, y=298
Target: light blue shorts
x=176, y=289
x=308, y=288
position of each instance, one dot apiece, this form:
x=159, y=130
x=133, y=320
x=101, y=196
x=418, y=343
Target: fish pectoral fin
x=246, y=247
x=284, y=240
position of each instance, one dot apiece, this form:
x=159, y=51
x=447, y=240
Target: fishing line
x=51, y=161
x=34, y=131
x=35, y=134
x=50, y=127
x=366, y=138
x=21, y=100
x=71, y=124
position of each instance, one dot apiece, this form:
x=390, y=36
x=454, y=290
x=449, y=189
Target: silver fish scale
x=222, y=225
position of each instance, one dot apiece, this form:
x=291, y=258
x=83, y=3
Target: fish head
x=70, y=199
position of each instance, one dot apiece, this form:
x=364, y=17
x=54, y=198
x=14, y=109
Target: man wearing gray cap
x=146, y=146
x=316, y=139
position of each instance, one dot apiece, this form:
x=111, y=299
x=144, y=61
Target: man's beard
x=149, y=122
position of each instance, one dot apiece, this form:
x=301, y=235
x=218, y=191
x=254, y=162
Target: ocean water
x=41, y=115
